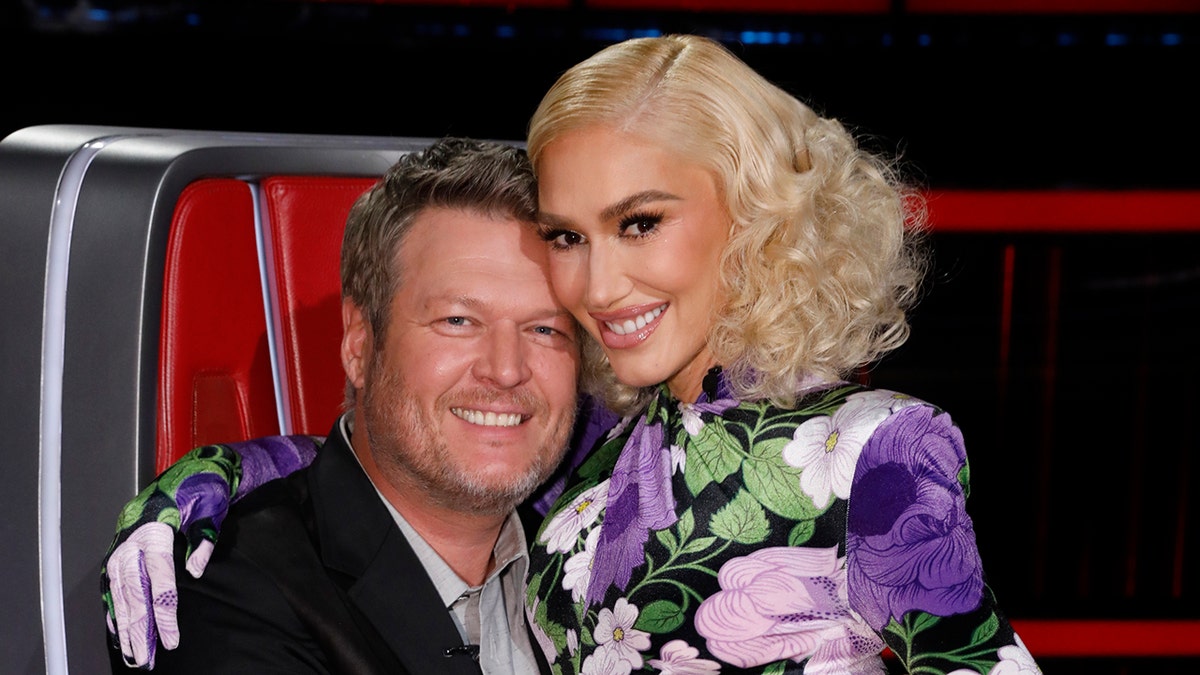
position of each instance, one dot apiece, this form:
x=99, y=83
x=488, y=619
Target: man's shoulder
x=262, y=513
x=286, y=496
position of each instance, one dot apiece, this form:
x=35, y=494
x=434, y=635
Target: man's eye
x=457, y=320
x=554, y=335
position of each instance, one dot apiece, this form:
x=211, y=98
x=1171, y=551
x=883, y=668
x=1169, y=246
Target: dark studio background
x=972, y=99
x=1080, y=424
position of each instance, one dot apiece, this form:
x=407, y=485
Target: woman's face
x=635, y=233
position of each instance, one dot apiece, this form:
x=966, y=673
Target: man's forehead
x=466, y=233
x=460, y=260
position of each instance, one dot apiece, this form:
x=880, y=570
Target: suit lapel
x=382, y=574
x=397, y=595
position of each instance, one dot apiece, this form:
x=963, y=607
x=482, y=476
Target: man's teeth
x=630, y=325
x=487, y=419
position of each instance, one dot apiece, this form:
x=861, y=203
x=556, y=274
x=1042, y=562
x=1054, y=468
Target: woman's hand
x=190, y=498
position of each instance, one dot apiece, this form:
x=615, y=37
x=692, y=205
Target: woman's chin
x=632, y=376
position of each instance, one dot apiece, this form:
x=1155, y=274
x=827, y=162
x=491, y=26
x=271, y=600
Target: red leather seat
x=213, y=336
x=229, y=376
x=307, y=216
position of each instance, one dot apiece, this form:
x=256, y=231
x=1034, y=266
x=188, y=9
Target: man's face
x=471, y=397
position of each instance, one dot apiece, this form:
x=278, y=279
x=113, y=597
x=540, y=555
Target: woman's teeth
x=630, y=325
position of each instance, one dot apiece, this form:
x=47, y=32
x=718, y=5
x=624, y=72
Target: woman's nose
x=607, y=279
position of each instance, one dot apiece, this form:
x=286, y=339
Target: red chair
x=136, y=327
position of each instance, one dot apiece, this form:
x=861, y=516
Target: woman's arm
x=191, y=499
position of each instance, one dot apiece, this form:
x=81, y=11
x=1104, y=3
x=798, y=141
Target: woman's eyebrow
x=635, y=200
x=549, y=221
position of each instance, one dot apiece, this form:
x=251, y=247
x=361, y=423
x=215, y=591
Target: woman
x=735, y=257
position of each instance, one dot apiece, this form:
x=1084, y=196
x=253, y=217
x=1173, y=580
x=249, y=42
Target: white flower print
x=620, y=427
x=577, y=571
x=691, y=418
x=562, y=532
x=827, y=447
x=615, y=631
x=894, y=400
x=678, y=459
x=1015, y=660
x=606, y=660
x=679, y=658
x=572, y=641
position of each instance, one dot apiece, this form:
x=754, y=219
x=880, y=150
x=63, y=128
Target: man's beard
x=405, y=442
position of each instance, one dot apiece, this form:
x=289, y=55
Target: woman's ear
x=356, y=341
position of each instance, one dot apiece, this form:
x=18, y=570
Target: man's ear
x=356, y=341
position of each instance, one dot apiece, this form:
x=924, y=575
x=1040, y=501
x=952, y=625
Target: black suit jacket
x=311, y=574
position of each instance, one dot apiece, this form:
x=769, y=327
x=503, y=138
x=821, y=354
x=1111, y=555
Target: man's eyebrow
x=466, y=301
x=473, y=303
x=635, y=200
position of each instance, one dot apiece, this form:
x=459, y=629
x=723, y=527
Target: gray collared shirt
x=492, y=615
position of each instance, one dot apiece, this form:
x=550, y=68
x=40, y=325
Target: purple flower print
x=639, y=499
x=784, y=603
x=596, y=422
x=265, y=459
x=910, y=544
x=203, y=495
x=678, y=658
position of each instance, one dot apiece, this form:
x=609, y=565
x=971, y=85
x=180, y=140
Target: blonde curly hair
x=824, y=256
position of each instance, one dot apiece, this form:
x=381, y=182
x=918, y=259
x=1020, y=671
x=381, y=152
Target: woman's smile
x=636, y=233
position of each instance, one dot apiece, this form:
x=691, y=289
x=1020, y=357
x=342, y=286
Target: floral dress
x=722, y=536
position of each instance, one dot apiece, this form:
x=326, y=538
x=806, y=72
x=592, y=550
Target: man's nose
x=503, y=361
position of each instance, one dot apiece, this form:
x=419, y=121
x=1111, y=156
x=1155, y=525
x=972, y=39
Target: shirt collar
x=510, y=548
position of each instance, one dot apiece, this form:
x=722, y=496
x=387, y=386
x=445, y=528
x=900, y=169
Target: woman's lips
x=628, y=328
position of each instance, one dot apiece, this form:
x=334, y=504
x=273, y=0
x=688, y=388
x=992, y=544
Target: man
x=398, y=550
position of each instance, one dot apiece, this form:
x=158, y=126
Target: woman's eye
x=640, y=224
x=563, y=238
x=457, y=320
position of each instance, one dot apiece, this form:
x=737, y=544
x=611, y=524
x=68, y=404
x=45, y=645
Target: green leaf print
x=801, y=533
x=777, y=668
x=697, y=476
x=717, y=450
x=667, y=539
x=169, y=516
x=585, y=637
x=556, y=631
x=698, y=545
x=920, y=621
x=828, y=401
x=591, y=470
x=741, y=520
x=660, y=616
x=531, y=588
x=777, y=483
x=685, y=524
x=601, y=459
x=986, y=631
